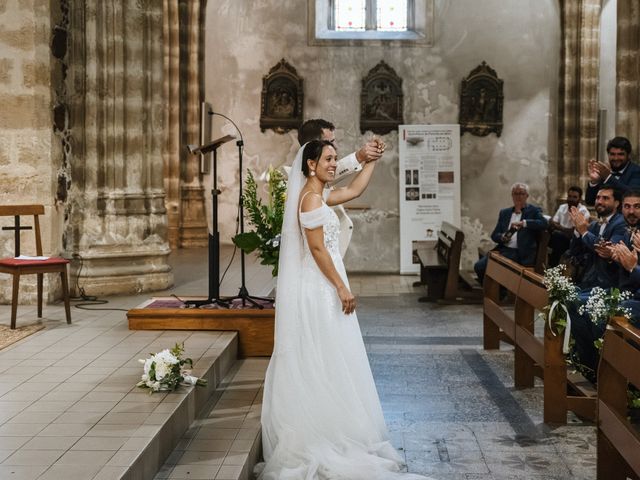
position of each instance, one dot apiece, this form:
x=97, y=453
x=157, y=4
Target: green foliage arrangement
x=265, y=218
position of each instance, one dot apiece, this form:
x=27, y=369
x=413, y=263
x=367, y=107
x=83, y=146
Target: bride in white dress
x=321, y=416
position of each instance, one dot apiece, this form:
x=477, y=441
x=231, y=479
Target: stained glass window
x=350, y=15
x=392, y=15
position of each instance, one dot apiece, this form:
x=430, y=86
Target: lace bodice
x=325, y=217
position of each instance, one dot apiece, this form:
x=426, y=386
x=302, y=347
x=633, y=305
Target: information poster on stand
x=429, y=186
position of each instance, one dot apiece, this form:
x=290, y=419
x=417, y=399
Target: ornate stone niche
x=381, y=100
x=282, y=99
x=481, y=102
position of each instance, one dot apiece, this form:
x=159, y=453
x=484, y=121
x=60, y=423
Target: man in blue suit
x=589, y=247
x=621, y=257
x=621, y=173
x=516, y=232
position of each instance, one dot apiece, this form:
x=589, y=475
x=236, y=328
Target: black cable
x=88, y=300
x=235, y=248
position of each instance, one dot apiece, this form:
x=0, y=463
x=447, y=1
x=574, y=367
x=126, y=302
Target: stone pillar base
x=112, y=271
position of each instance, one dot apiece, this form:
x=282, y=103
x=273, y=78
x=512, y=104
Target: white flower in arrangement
x=163, y=371
x=603, y=304
x=167, y=357
x=562, y=292
x=559, y=286
x=275, y=241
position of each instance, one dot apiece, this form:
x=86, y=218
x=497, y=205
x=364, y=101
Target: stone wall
x=82, y=132
x=520, y=40
x=30, y=157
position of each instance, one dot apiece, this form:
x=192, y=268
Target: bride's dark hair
x=313, y=151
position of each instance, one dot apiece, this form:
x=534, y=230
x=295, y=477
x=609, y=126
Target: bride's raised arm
x=355, y=188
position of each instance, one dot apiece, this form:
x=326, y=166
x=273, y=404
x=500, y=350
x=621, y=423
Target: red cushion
x=14, y=262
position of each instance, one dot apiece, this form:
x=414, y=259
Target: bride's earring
x=312, y=173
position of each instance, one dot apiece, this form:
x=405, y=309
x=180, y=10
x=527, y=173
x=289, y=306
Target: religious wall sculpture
x=481, y=102
x=381, y=100
x=282, y=99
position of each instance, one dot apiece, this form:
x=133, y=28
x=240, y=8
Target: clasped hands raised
x=371, y=151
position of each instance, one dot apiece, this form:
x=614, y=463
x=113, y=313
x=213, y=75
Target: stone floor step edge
x=151, y=459
x=254, y=453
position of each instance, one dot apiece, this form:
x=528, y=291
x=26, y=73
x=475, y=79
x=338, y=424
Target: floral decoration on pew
x=164, y=372
x=603, y=304
x=562, y=292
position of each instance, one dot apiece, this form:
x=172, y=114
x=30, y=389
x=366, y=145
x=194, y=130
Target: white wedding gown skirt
x=321, y=416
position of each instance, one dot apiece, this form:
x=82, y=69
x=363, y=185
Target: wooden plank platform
x=255, y=327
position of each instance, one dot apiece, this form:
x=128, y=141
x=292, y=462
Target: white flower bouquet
x=164, y=372
x=604, y=304
x=562, y=292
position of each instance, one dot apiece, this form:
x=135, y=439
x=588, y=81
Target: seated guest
x=588, y=248
x=624, y=255
x=621, y=173
x=516, y=231
x=561, y=226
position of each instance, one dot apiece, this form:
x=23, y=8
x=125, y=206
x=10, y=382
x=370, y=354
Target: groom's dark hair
x=312, y=130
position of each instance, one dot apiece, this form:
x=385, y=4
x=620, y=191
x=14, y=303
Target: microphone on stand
x=243, y=293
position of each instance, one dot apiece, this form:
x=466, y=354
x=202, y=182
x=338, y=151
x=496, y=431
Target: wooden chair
x=18, y=267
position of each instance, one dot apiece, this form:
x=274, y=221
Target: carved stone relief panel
x=282, y=99
x=381, y=100
x=481, y=102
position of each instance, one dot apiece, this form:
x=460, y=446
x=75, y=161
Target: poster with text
x=429, y=185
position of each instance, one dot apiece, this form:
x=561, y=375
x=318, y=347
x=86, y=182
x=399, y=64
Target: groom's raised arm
x=347, y=166
x=352, y=163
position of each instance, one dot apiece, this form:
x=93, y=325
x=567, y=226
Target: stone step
x=72, y=409
x=224, y=443
x=173, y=418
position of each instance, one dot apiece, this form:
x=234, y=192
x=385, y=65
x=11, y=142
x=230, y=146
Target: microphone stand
x=214, y=237
x=243, y=293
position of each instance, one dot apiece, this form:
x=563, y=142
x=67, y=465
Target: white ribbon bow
x=567, y=330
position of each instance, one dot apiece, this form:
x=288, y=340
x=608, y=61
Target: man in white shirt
x=319, y=129
x=562, y=227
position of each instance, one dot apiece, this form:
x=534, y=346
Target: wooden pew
x=440, y=266
x=499, y=322
x=534, y=356
x=618, y=440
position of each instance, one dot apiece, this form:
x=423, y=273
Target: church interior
x=101, y=101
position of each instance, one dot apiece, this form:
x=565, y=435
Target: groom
x=319, y=129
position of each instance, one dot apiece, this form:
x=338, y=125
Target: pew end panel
x=618, y=439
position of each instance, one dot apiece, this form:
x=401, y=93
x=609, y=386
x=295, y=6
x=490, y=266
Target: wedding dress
x=321, y=416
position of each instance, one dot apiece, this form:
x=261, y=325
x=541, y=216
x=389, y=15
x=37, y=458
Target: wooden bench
x=534, y=356
x=440, y=266
x=618, y=439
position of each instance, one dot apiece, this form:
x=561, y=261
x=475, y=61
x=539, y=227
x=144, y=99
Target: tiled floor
x=451, y=407
x=223, y=443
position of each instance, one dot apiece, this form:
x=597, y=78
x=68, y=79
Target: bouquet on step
x=164, y=371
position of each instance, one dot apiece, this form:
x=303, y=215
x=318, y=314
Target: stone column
x=193, y=225
x=30, y=155
x=183, y=51
x=171, y=86
x=627, y=72
x=578, y=99
x=118, y=222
